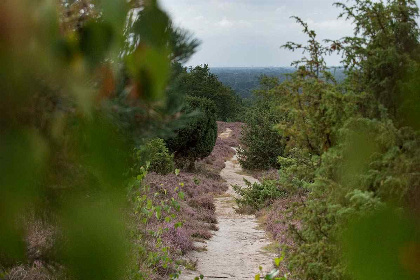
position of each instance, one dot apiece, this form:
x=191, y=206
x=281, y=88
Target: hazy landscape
x=243, y=80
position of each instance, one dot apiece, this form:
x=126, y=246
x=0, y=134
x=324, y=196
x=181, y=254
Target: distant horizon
x=332, y=66
x=252, y=66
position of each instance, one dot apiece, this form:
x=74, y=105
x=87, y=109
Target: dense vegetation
x=352, y=152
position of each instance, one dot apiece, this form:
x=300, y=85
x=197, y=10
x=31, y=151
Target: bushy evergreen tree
x=261, y=142
x=197, y=139
x=199, y=82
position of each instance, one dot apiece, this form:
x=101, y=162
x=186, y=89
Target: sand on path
x=237, y=249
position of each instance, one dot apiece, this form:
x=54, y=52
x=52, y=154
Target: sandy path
x=226, y=134
x=237, y=248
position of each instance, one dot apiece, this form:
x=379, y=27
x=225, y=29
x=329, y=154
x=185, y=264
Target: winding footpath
x=237, y=249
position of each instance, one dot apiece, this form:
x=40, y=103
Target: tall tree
x=197, y=139
x=200, y=82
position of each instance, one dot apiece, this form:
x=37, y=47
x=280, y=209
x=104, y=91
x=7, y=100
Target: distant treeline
x=243, y=80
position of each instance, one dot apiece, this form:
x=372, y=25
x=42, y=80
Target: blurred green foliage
x=383, y=245
x=79, y=79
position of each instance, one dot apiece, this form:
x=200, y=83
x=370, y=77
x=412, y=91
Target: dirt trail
x=226, y=134
x=237, y=248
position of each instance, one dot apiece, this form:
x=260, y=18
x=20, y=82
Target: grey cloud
x=250, y=32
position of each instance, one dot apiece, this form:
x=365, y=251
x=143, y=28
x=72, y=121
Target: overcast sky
x=250, y=32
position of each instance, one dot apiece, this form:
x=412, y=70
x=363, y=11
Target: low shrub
x=157, y=155
x=258, y=195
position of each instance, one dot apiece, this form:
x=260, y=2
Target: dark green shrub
x=261, y=142
x=157, y=155
x=197, y=139
x=258, y=195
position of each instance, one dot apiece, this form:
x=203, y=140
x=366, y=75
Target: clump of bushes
x=155, y=154
x=256, y=196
